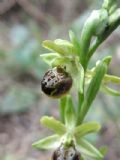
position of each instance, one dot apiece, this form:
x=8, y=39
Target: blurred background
x=24, y=24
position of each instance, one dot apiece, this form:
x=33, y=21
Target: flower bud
x=56, y=82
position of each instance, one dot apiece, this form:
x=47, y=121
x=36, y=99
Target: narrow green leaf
x=74, y=41
x=47, y=143
x=88, y=149
x=86, y=128
x=110, y=91
x=49, y=58
x=93, y=89
x=53, y=124
x=70, y=116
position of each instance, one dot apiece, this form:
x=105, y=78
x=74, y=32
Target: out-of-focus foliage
x=18, y=99
x=21, y=70
x=8, y=157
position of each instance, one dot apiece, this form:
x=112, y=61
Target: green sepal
x=47, y=143
x=88, y=149
x=53, y=124
x=86, y=128
x=93, y=88
x=77, y=72
x=49, y=58
x=111, y=79
x=66, y=45
x=60, y=46
x=110, y=91
x=74, y=41
x=70, y=116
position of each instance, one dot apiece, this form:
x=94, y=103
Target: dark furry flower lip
x=63, y=153
x=56, y=82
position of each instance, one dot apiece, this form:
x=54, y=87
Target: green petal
x=53, y=124
x=88, y=149
x=47, y=143
x=49, y=57
x=86, y=128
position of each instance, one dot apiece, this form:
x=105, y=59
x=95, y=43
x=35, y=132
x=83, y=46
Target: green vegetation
x=74, y=56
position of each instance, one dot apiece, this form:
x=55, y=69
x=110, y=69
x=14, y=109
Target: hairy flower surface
x=56, y=82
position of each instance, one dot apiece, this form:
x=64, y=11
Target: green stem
x=62, y=105
x=80, y=101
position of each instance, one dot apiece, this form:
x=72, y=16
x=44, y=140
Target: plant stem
x=62, y=104
x=80, y=101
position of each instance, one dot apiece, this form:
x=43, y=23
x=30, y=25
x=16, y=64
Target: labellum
x=66, y=153
x=56, y=82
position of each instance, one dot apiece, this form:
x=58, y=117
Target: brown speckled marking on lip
x=63, y=153
x=56, y=82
